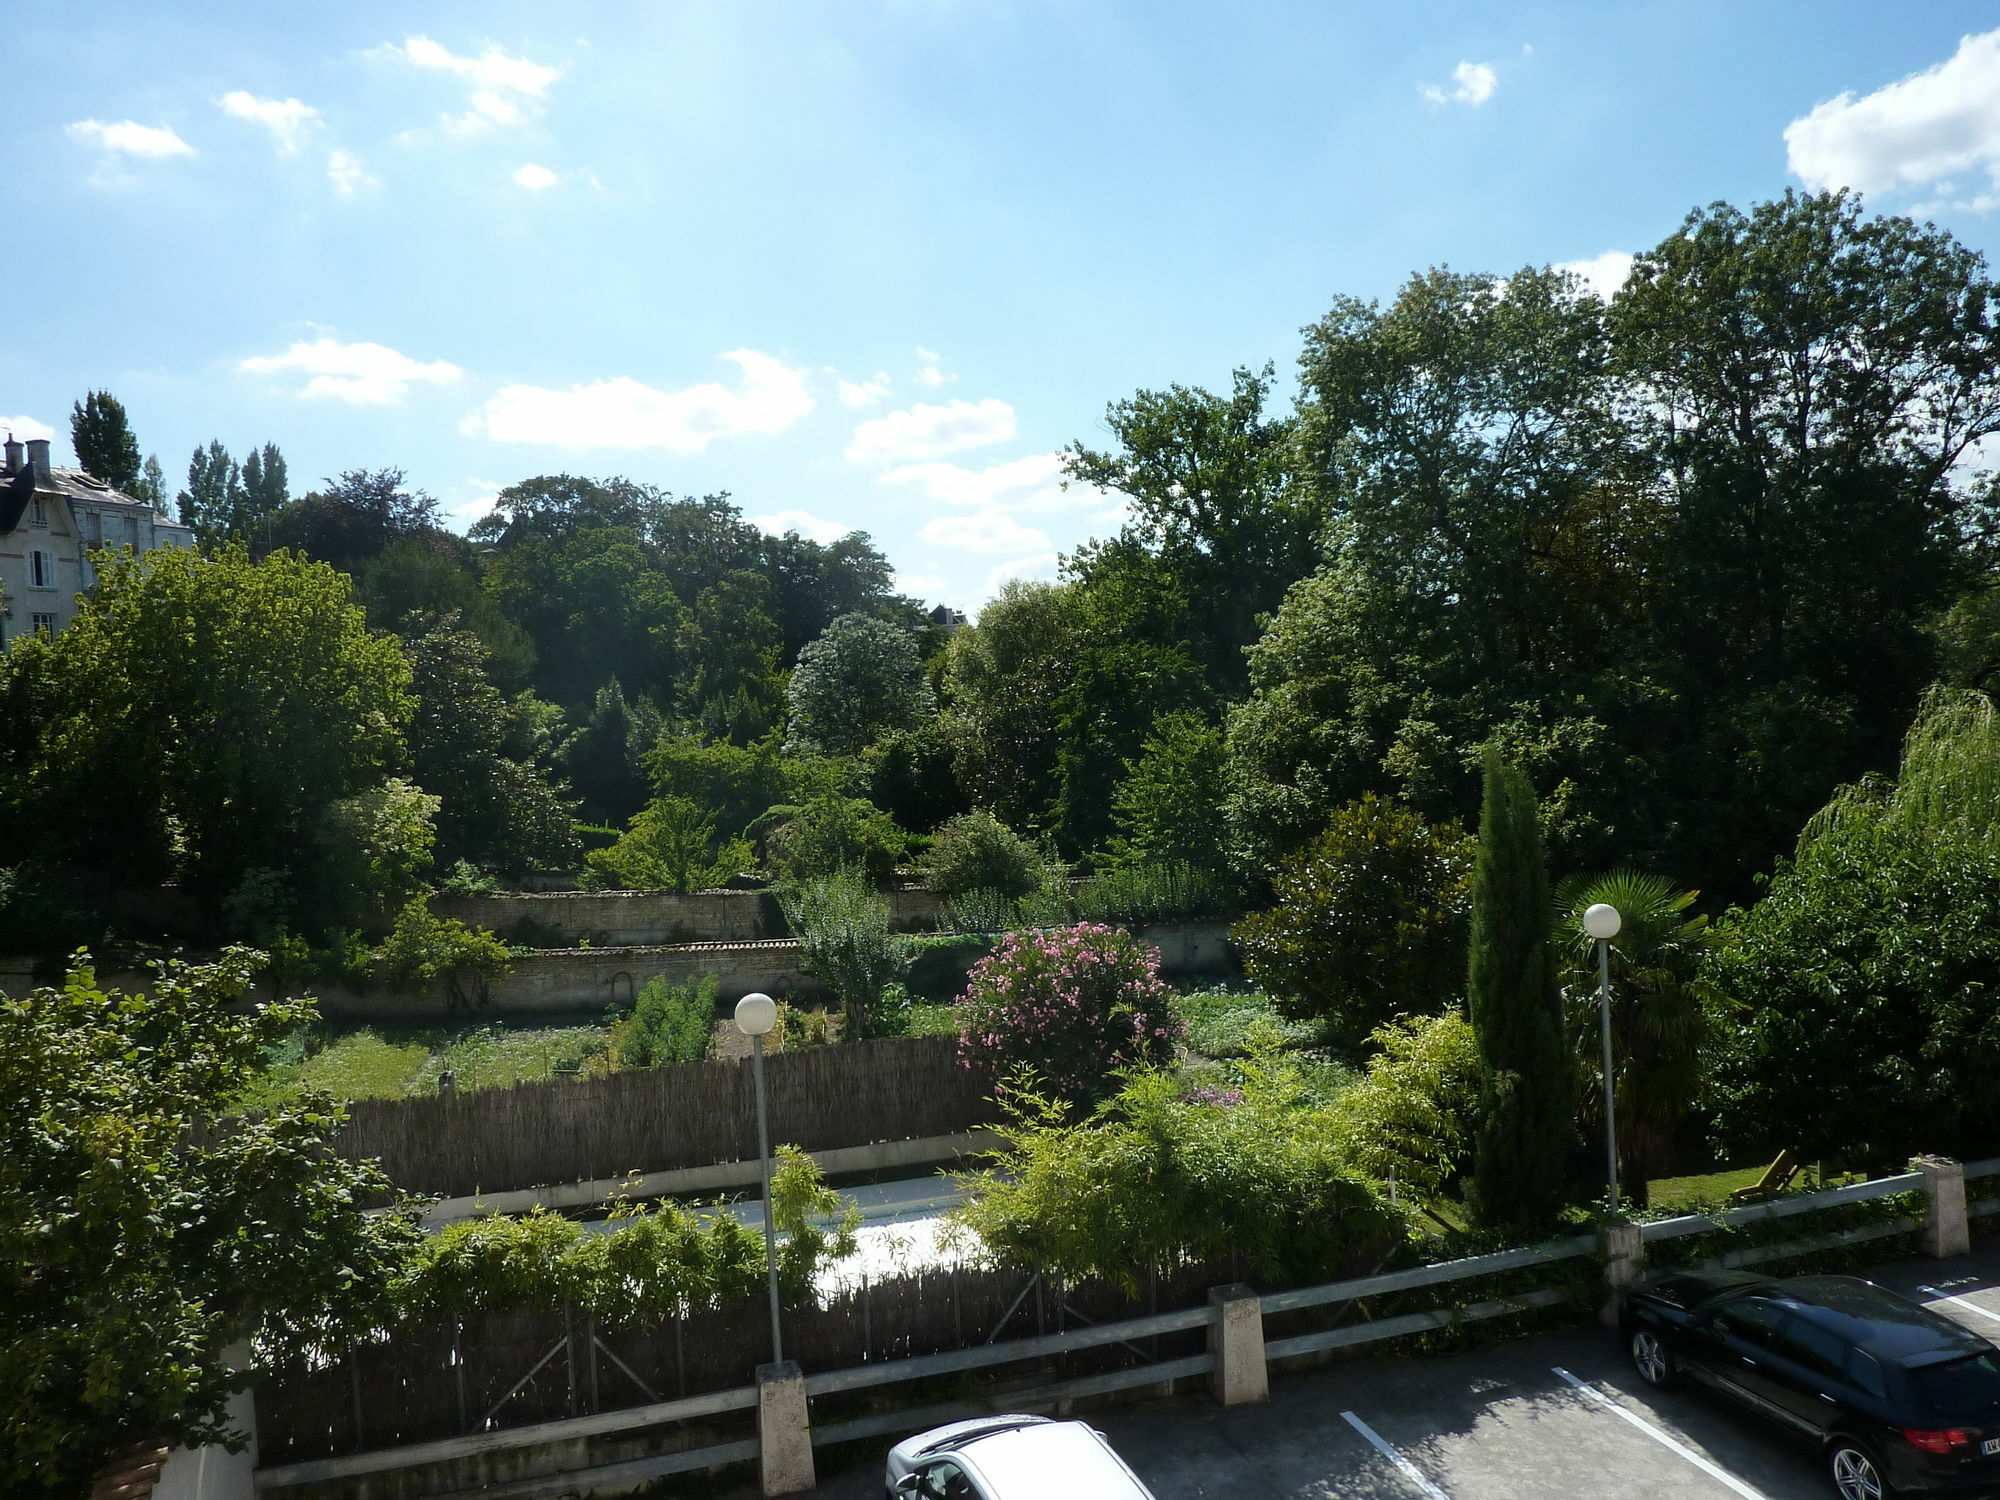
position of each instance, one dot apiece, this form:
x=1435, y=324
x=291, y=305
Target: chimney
x=38, y=456
x=13, y=455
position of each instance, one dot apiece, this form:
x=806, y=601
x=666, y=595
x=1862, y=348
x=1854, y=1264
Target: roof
x=1053, y=1458
x=70, y=484
x=1887, y=1325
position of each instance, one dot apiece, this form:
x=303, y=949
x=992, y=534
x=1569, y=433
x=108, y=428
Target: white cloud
x=805, y=523
x=501, y=88
x=1603, y=274
x=930, y=431
x=1032, y=485
x=921, y=585
x=286, y=119
x=347, y=174
x=983, y=531
x=1919, y=130
x=1475, y=83
x=864, y=392
x=129, y=138
x=477, y=502
x=535, y=178
x=1042, y=565
x=929, y=356
x=24, y=428
x=359, y=374
x=932, y=372
x=622, y=413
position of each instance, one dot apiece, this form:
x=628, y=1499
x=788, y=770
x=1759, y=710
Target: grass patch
x=393, y=1062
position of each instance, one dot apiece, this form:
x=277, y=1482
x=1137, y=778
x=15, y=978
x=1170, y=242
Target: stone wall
x=652, y=918
x=589, y=981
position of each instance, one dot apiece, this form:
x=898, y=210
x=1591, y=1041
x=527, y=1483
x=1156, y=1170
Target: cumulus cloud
x=286, y=119
x=1032, y=485
x=535, y=178
x=1917, y=131
x=1603, y=274
x=130, y=138
x=24, y=428
x=930, y=431
x=502, y=89
x=359, y=374
x=805, y=523
x=864, y=392
x=347, y=174
x=474, y=501
x=623, y=413
x=1473, y=84
x=1041, y=565
x=983, y=531
x=931, y=369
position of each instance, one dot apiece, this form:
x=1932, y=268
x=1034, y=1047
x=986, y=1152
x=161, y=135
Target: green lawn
x=390, y=1062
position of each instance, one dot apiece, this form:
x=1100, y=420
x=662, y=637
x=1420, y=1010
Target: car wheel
x=1652, y=1359
x=1856, y=1472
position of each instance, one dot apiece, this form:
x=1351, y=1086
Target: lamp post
x=1602, y=923
x=755, y=1015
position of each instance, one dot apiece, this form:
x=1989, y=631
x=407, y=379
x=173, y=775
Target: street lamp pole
x=1602, y=922
x=755, y=1016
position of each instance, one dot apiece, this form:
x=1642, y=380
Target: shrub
x=467, y=879
x=1157, y=1177
x=671, y=846
x=842, y=925
x=1072, y=1006
x=831, y=833
x=1412, y=1112
x=1153, y=893
x=977, y=852
x=425, y=950
x=670, y=1023
x=1370, y=922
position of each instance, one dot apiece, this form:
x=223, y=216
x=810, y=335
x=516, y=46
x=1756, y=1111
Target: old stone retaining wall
x=653, y=918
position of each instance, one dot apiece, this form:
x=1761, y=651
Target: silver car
x=1010, y=1458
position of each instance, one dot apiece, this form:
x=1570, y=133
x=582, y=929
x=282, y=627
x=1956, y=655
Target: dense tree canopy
x=102, y=437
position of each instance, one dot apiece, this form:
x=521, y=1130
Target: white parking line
x=1968, y=1305
x=1658, y=1436
x=1408, y=1470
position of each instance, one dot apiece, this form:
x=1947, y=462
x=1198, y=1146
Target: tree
x=211, y=500
x=671, y=846
x=604, y=756
x=1659, y=1025
x=860, y=679
x=1854, y=1003
x=1412, y=1112
x=977, y=852
x=831, y=832
x=1523, y=1144
x=349, y=519
x=1369, y=922
x=197, y=718
x=151, y=485
x=149, y=1230
x=265, y=489
x=423, y=951
x=502, y=805
x=105, y=447
x=1168, y=807
x=842, y=925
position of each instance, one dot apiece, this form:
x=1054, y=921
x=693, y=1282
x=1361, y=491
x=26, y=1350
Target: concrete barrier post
x=214, y=1473
x=784, y=1430
x=1622, y=1247
x=1947, y=1231
x=1236, y=1339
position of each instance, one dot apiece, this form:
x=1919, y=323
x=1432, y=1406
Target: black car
x=1898, y=1400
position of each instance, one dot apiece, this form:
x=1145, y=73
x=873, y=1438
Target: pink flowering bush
x=1072, y=1005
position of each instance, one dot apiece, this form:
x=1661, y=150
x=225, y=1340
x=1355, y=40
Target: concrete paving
x=1555, y=1415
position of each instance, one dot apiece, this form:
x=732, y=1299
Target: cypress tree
x=105, y=447
x=1525, y=1133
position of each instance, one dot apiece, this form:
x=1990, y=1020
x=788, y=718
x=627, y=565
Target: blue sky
x=864, y=264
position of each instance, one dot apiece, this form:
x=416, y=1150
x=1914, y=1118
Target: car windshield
x=1961, y=1388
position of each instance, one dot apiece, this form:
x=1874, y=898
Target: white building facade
x=51, y=520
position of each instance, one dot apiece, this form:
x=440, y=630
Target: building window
x=43, y=624
x=37, y=514
x=41, y=569
x=93, y=527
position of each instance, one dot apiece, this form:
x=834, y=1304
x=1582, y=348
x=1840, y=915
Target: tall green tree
x=265, y=489
x=1525, y=1139
x=859, y=680
x=102, y=437
x=213, y=496
x=151, y=485
x=197, y=718
x=149, y=1227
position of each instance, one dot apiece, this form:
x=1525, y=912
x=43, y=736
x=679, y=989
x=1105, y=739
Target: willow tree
x=1522, y=1146
x=1859, y=1001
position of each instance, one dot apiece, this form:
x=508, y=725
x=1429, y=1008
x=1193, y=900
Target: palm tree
x=1658, y=1023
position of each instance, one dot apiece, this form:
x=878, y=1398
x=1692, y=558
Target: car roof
x=1052, y=1458
x=1885, y=1324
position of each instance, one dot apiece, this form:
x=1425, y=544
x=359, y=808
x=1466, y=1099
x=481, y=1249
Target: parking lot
x=1555, y=1415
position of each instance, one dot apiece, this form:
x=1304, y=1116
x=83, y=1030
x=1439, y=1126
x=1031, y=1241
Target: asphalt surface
x=1549, y=1417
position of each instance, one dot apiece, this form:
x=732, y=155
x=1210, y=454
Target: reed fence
x=661, y=1119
